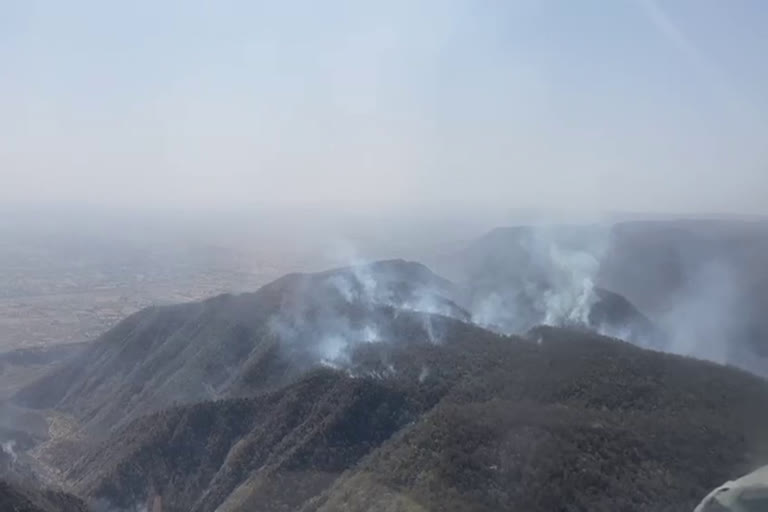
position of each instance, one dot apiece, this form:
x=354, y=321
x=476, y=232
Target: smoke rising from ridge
x=8, y=449
x=702, y=277
x=521, y=277
x=327, y=314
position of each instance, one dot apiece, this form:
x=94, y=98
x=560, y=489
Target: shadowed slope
x=481, y=422
x=232, y=345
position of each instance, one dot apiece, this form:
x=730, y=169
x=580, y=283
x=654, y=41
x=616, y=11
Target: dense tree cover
x=561, y=420
x=18, y=498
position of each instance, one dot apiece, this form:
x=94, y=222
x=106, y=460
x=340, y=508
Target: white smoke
x=308, y=310
x=366, y=281
x=344, y=287
x=570, y=305
x=8, y=449
x=570, y=273
x=330, y=313
x=429, y=328
x=386, y=371
x=334, y=348
x=550, y=279
x=361, y=285
x=702, y=314
x=370, y=334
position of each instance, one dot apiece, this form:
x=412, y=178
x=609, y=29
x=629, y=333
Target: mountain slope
x=22, y=366
x=197, y=456
x=18, y=498
x=480, y=422
x=512, y=279
x=237, y=345
x=697, y=281
x=233, y=345
x=579, y=423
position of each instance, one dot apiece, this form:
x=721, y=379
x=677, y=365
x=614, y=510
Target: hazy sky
x=605, y=104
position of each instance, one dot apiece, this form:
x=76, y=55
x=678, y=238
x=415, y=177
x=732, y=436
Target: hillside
x=286, y=446
x=18, y=498
x=563, y=418
x=515, y=278
x=20, y=367
x=236, y=345
x=700, y=282
x=574, y=422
